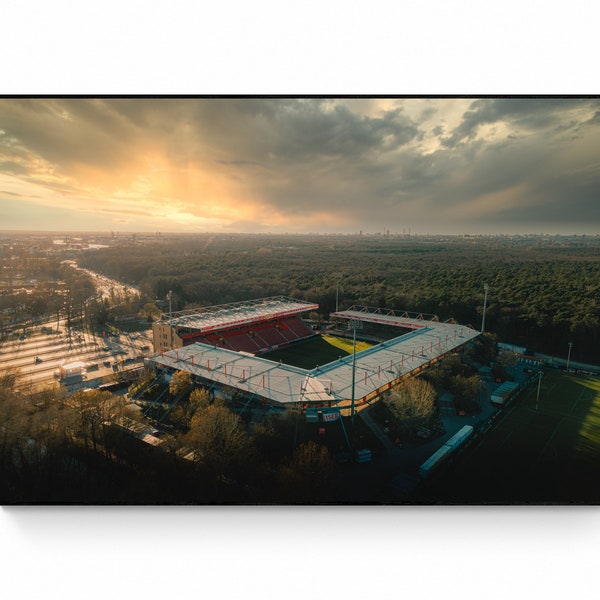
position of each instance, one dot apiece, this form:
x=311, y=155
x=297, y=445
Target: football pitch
x=536, y=453
x=316, y=351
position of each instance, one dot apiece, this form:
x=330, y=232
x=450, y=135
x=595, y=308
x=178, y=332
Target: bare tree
x=200, y=398
x=508, y=359
x=180, y=381
x=218, y=438
x=307, y=476
x=96, y=408
x=412, y=403
x=466, y=390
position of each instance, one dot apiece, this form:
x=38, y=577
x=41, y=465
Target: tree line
x=541, y=296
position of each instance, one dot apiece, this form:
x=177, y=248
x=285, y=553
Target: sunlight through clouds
x=449, y=165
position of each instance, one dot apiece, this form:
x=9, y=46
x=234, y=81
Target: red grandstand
x=255, y=327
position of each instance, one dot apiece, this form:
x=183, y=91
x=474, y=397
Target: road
x=110, y=289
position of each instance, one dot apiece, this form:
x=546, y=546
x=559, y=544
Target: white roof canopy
x=279, y=383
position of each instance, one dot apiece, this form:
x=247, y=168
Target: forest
x=544, y=291
x=77, y=449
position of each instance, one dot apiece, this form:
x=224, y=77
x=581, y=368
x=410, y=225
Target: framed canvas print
x=299, y=300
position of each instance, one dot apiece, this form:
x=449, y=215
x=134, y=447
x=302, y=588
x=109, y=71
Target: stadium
x=222, y=348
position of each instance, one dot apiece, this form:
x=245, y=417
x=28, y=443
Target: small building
x=72, y=370
x=504, y=392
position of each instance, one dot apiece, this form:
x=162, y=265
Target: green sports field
x=316, y=351
x=549, y=453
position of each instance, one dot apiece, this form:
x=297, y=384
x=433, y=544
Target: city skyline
x=301, y=165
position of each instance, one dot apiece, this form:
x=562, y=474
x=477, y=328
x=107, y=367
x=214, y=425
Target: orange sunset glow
x=300, y=165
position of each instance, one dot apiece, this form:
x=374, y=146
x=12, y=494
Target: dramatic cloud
x=434, y=165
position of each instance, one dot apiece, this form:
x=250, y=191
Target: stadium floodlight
x=353, y=369
x=486, y=287
x=537, y=399
x=169, y=296
x=569, y=355
x=337, y=291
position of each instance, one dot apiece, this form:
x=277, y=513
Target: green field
x=544, y=454
x=316, y=351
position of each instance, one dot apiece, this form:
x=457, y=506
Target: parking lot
x=39, y=354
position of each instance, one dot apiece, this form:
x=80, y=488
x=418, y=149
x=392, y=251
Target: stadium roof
x=214, y=318
x=392, y=317
x=375, y=368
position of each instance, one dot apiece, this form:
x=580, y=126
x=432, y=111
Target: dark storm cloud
x=66, y=131
x=319, y=158
x=529, y=114
x=276, y=132
x=553, y=204
x=340, y=133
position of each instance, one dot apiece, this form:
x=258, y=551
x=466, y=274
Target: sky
x=301, y=165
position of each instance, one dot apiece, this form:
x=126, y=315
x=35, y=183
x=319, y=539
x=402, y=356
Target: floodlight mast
x=353, y=370
x=337, y=291
x=569, y=355
x=169, y=296
x=486, y=287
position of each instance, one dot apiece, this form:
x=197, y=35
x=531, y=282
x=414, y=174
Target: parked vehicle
x=440, y=455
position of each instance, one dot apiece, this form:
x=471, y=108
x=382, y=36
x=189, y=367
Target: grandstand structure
x=255, y=326
x=351, y=381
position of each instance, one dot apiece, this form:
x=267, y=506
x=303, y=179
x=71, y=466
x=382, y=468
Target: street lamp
x=569, y=355
x=537, y=399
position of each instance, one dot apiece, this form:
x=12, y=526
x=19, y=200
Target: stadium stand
x=298, y=328
x=256, y=339
x=241, y=342
x=270, y=337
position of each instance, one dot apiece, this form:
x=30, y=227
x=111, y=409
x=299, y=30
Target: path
x=381, y=436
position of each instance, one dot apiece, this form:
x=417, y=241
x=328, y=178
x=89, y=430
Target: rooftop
x=279, y=383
